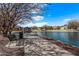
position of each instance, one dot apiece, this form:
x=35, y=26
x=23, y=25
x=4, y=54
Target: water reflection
x=71, y=38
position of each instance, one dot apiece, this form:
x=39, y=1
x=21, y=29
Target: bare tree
x=74, y=24
x=13, y=13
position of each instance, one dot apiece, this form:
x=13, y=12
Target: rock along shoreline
x=73, y=50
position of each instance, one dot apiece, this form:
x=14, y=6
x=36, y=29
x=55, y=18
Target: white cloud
x=34, y=11
x=36, y=24
x=33, y=24
x=43, y=5
x=66, y=20
x=40, y=24
x=38, y=18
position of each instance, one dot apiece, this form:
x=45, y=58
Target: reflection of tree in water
x=73, y=38
x=45, y=30
x=46, y=34
x=56, y=36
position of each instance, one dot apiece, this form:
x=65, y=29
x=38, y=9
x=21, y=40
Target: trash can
x=20, y=35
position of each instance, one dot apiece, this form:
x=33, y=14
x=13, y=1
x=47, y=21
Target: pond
x=71, y=38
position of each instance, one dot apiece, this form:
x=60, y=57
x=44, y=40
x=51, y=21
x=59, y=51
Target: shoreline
x=37, y=46
x=67, y=47
x=55, y=31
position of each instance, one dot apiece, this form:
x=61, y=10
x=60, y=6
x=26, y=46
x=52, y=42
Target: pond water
x=71, y=38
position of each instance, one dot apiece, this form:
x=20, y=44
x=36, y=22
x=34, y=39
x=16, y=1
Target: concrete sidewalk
x=36, y=46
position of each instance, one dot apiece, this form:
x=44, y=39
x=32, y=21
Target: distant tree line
x=72, y=24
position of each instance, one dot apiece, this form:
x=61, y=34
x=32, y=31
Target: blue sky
x=60, y=13
x=57, y=14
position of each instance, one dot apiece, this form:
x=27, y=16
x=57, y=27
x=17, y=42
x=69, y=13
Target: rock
x=3, y=40
x=44, y=52
x=9, y=51
x=13, y=51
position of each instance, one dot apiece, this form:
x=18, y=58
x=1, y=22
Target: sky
x=56, y=14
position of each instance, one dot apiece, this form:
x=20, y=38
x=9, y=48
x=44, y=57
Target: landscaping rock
x=3, y=40
x=8, y=51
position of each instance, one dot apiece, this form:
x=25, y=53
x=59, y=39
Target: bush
x=12, y=37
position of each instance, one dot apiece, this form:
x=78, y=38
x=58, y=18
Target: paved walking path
x=36, y=46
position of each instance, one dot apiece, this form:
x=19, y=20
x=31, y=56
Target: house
x=64, y=27
x=27, y=29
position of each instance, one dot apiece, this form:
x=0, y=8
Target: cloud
x=38, y=18
x=35, y=11
x=44, y=5
x=34, y=24
x=66, y=20
x=38, y=24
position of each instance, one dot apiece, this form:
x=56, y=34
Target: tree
x=50, y=28
x=34, y=27
x=58, y=27
x=73, y=24
x=45, y=27
x=12, y=14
